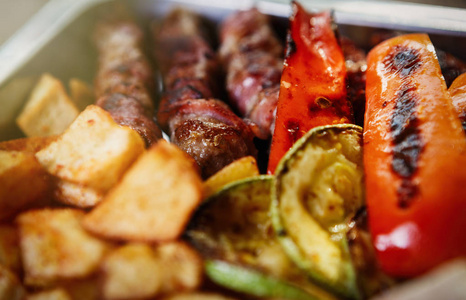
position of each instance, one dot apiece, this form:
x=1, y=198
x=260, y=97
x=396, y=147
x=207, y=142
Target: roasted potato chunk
x=181, y=267
x=153, y=201
x=55, y=246
x=239, y=169
x=140, y=271
x=131, y=272
x=49, y=110
x=23, y=182
x=30, y=144
x=93, y=153
x=197, y=296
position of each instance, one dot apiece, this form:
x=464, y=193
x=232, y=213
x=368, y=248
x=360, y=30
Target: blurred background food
x=15, y=13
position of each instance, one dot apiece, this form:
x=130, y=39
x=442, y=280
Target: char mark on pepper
x=403, y=61
x=408, y=144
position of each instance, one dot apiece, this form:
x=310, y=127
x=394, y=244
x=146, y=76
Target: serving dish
x=58, y=39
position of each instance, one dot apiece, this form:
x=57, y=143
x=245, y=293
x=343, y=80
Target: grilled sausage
x=252, y=58
x=196, y=120
x=124, y=83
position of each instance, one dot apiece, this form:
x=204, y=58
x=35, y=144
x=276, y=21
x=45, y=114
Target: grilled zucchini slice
x=319, y=186
x=233, y=231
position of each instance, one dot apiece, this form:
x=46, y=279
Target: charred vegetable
x=313, y=83
x=233, y=231
x=248, y=280
x=318, y=188
x=414, y=158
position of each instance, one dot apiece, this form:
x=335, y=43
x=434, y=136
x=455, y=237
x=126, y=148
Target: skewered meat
x=190, y=111
x=252, y=58
x=124, y=83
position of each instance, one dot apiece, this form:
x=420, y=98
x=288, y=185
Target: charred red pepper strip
x=313, y=83
x=414, y=157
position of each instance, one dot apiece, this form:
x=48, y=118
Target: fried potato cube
x=239, y=169
x=30, y=144
x=137, y=270
x=197, y=296
x=10, y=286
x=23, y=182
x=55, y=246
x=77, y=194
x=181, y=267
x=93, y=152
x=49, y=110
x=81, y=93
x=53, y=294
x=131, y=272
x=9, y=248
x=153, y=201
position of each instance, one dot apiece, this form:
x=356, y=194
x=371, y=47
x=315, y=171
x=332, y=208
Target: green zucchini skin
x=319, y=186
x=240, y=278
x=233, y=232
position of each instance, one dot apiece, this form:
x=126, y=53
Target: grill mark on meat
x=124, y=82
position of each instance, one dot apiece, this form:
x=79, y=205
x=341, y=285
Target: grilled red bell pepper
x=414, y=159
x=313, y=83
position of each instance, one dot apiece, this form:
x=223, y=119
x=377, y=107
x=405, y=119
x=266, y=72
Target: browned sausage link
x=251, y=55
x=202, y=126
x=356, y=65
x=124, y=83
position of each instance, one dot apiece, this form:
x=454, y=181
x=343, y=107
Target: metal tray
x=57, y=39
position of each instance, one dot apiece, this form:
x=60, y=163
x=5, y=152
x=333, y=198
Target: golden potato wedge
x=131, y=272
x=181, y=267
x=23, y=183
x=81, y=93
x=239, y=169
x=93, y=152
x=29, y=144
x=49, y=110
x=76, y=194
x=10, y=286
x=9, y=248
x=53, y=294
x=54, y=246
x=153, y=201
x=197, y=296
